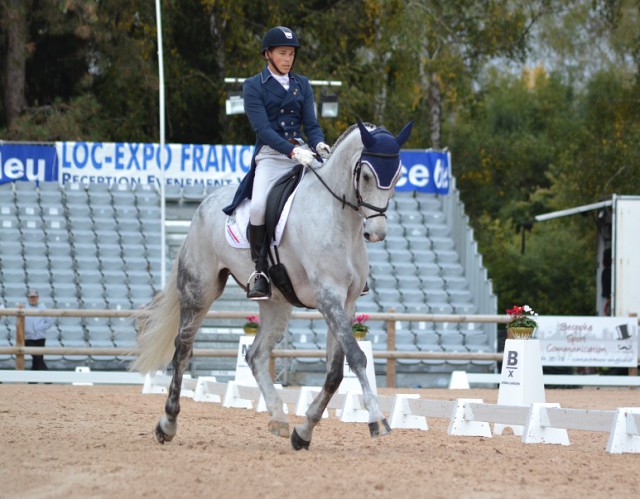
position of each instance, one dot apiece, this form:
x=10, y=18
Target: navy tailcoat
x=277, y=115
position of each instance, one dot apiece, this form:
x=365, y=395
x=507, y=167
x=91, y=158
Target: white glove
x=303, y=156
x=323, y=150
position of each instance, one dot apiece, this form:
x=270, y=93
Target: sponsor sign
x=182, y=164
x=588, y=341
x=424, y=171
x=27, y=162
x=177, y=164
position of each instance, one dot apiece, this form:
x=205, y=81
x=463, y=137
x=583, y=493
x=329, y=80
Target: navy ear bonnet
x=382, y=153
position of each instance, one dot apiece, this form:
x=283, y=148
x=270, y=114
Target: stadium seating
x=96, y=246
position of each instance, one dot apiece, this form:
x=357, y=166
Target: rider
x=278, y=104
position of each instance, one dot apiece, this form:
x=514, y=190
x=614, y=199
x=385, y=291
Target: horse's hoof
x=297, y=443
x=161, y=436
x=379, y=428
x=279, y=429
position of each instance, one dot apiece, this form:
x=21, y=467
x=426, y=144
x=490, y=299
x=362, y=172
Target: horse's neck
x=338, y=171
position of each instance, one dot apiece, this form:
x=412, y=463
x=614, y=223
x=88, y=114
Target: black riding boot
x=261, y=288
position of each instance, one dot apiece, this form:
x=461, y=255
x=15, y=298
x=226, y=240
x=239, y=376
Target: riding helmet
x=280, y=36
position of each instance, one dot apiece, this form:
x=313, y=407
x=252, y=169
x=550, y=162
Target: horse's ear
x=404, y=135
x=367, y=138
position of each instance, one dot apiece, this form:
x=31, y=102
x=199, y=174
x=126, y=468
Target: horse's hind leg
x=302, y=433
x=193, y=308
x=274, y=318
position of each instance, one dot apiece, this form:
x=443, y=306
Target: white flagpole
x=163, y=236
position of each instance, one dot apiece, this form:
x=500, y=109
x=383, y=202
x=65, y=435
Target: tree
x=14, y=24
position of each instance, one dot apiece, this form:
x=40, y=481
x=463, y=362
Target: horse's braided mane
x=348, y=131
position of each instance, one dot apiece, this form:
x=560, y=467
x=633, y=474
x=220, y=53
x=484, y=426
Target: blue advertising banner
x=182, y=164
x=28, y=162
x=424, y=171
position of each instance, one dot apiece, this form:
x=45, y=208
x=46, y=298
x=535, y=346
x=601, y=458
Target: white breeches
x=270, y=166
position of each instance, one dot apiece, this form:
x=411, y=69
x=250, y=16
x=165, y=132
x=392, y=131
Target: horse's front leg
x=274, y=318
x=190, y=321
x=339, y=321
x=302, y=433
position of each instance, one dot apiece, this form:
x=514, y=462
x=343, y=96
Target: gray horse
x=335, y=209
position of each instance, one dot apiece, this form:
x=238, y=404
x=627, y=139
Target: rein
x=380, y=212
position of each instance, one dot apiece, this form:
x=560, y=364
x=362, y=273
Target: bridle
x=360, y=202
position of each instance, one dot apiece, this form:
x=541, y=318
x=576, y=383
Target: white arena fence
x=391, y=354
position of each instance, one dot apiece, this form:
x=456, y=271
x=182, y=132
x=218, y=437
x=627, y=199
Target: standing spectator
x=35, y=330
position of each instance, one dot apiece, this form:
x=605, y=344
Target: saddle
x=276, y=200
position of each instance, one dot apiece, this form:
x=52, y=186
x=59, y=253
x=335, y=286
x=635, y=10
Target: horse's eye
x=366, y=177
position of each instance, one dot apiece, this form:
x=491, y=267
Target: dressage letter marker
x=521, y=379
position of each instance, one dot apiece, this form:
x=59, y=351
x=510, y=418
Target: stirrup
x=258, y=294
x=365, y=290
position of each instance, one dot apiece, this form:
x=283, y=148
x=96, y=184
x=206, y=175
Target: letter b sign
x=512, y=358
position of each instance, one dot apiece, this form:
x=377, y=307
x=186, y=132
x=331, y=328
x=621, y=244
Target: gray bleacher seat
x=146, y=194
x=37, y=277
x=456, y=283
x=456, y=348
x=412, y=296
x=50, y=194
x=193, y=193
x=383, y=281
x=464, y=308
x=81, y=236
x=122, y=194
x=118, y=302
x=60, y=273
x=433, y=283
x=26, y=198
x=103, y=225
x=440, y=308
x=446, y=256
x=93, y=303
x=56, y=232
x=123, y=211
x=368, y=302
x=128, y=225
x=53, y=212
x=72, y=334
x=172, y=192
x=442, y=243
x=132, y=239
x=381, y=267
x=396, y=243
x=415, y=230
x=80, y=222
x=417, y=244
x=109, y=237
x=63, y=290
x=377, y=253
x=410, y=216
x=437, y=229
x=99, y=194
x=423, y=256
x=378, y=341
x=76, y=194
x=406, y=342
x=109, y=250
x=13, y=270
x=452, y=269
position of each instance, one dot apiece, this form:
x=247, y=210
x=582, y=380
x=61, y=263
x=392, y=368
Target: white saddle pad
x=236, y=224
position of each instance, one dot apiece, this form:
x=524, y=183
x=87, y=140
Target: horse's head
x=375, y=176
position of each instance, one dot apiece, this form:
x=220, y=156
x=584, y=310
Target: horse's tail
x=158, y=324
